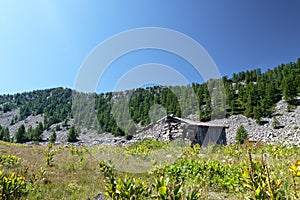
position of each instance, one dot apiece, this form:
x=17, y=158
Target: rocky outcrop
x=7, y=118
x=288, y=132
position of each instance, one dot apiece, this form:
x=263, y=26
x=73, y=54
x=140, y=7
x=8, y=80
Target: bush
x=290, y=107
x=260, y=178
x=128, y=137
x=275, y=123
x=49, y=155
x=259, y=122
x=57, y=128
x=12, y=186
x=8, y=160
x=241, y=134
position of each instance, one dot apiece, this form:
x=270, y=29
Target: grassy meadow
x=149, y=170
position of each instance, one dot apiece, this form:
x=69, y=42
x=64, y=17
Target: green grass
x=213, y=172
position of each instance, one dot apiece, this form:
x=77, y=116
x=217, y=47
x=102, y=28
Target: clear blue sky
x=43, y=43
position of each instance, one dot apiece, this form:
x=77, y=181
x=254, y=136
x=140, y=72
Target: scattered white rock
x=288, y=134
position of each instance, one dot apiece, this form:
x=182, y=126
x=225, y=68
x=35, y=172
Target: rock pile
x=287, y=133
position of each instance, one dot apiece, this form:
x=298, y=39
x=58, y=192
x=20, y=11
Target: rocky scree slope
x=287, y=134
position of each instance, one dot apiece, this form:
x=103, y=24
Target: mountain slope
x=251, y=93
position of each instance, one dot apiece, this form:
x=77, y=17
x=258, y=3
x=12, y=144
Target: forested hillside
x=252, y=93
x=54, y=103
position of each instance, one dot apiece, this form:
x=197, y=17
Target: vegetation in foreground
x=247, y=171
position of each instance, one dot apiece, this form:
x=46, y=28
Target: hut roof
x=195, y=123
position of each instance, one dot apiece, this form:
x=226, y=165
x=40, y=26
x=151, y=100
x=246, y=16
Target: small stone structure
x=197, y=132
x=175, y=128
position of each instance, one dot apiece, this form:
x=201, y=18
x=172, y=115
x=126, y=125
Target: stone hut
x=203, y=133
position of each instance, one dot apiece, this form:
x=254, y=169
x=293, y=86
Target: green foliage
x=73, y=188
x=53, y=137
x=289, y=87
x=20, y=134
x=110, y=179
x=4, y=134
x=295, y=171
x=269, y=172
x=251, y=93
x=133, y=188
x=202, y=92
x=72, y=136
x=145, y=147
x=53, y=103
x=12, y=186
x=163, y=188
x=258, y=121
x=241, y=134
x=8, y=107
x=8, y=160
x=257, y=115
x=261, y=180
x=36, y=134
x=32, y=134
x=78, y=153
x=49, y=155
x=290, y=107
x=57, y=127
x=17, y=185
x=166, y=190
x=275, y=123
x=260, y=91
x=207, y=173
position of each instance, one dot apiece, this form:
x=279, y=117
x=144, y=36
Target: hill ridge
x=250, y=93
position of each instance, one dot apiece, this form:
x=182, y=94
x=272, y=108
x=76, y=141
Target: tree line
x=252, y=93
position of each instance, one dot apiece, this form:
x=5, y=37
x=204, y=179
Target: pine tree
x=270, y=94
x=241, y=134
x=6, y=136
x=289, y=88
x=20, y=134
x=53, y=137
x=36, y=134
x=207, y=109
x=249, y=108
x=72, y=136
x=1, y=132
x=29, y=133
x=40, y=130
x=257, y=115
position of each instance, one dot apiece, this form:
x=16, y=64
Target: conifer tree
x=289, y=87
x=20, y=134
x=241, y=134
x=53, y=137
x=6, y=136
x=72, y=136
